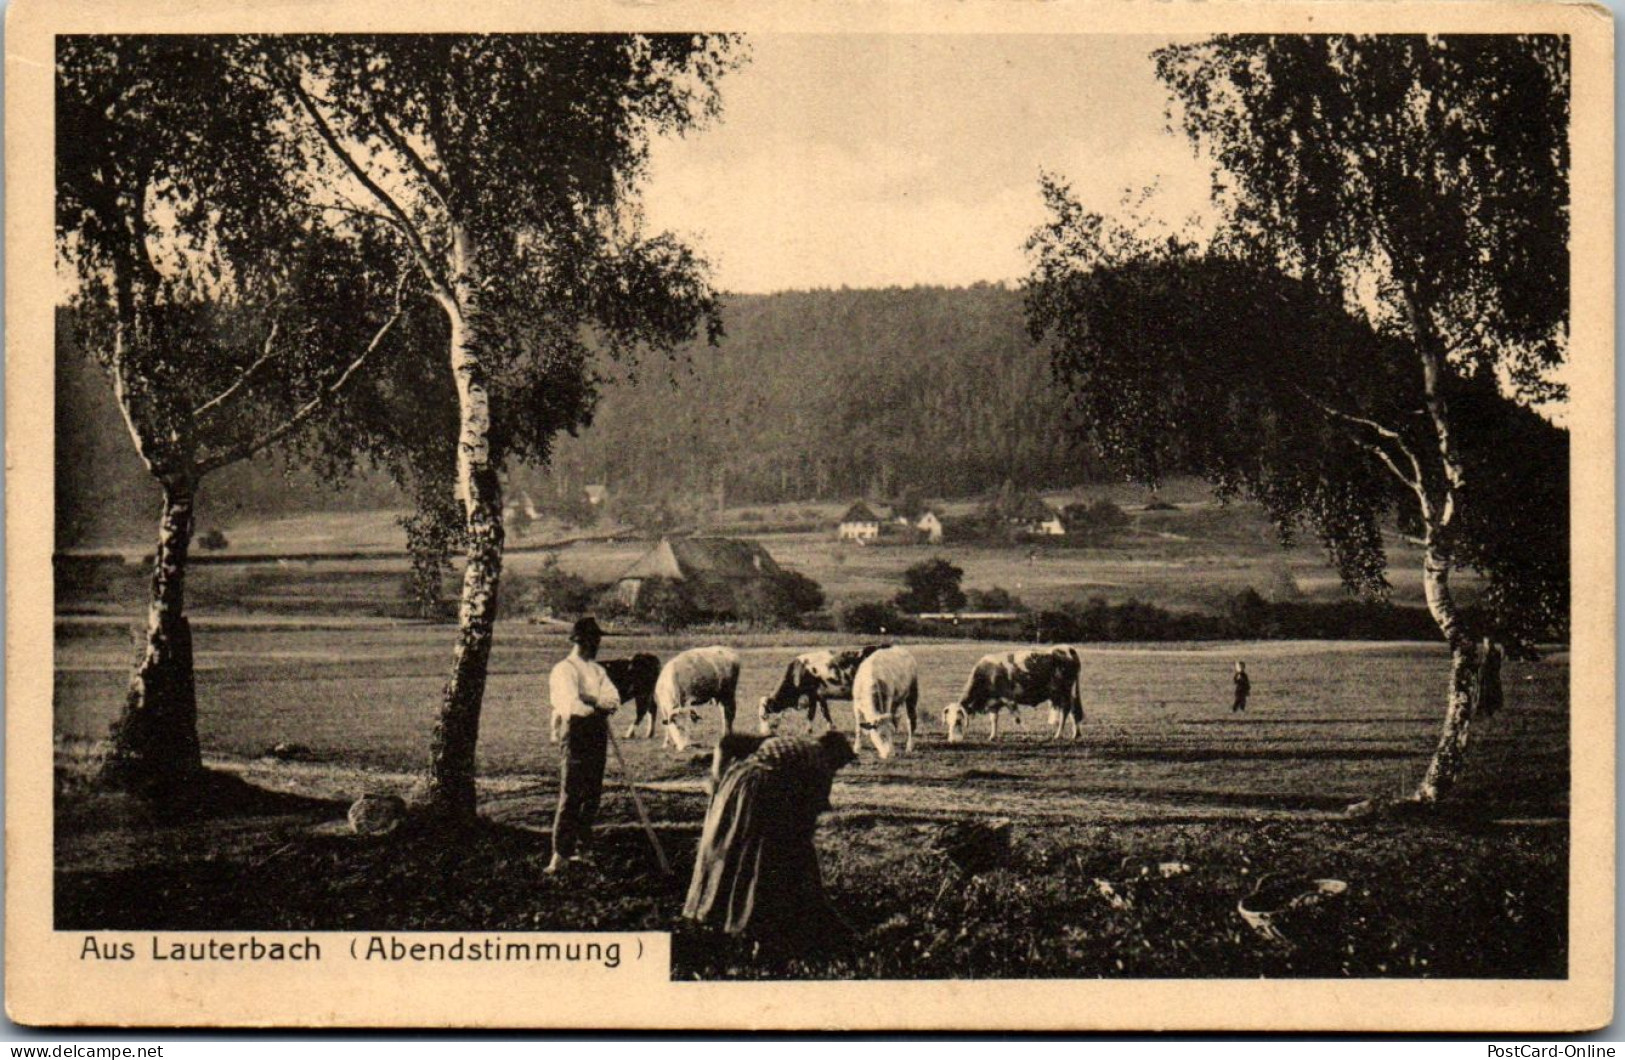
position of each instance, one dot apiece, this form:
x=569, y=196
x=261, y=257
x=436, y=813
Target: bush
x=871, y=617
x=933, y=585
x=666, y=603
x=1247, y=616
x=213, y=540
x=801, y=592
x=1096, y=522
x=561, y=592
x=994, y=599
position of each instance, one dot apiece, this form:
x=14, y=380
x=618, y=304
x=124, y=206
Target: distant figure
x=1243, y=687
x=583, y=698
x=756, y=871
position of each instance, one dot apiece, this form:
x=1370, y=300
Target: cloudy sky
x=869, y=160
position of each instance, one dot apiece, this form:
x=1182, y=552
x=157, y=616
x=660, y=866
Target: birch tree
x=504, y=169
x=1373, y=329
x=225, y=318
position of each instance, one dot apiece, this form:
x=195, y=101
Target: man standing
x=583, y=699
x=1243, y=687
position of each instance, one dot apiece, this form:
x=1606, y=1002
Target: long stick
x=643, y=815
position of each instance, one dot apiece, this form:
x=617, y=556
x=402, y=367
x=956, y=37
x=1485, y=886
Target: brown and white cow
x=885, y=692
x=1016, y=679
x=691, y=680
x=635, y=680
x=813, y=679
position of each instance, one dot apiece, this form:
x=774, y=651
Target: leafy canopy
x=1364, y=336
x=1434, y=170
x=515, y=159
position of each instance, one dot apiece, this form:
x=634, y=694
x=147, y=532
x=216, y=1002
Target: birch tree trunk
x=456, y=734
x=154, y=741
x=1450, y=757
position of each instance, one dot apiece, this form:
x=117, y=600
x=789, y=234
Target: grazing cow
x=885, y=690
x=635, y=679
x=814, y=679
x=1020, y=678
x=689, y=681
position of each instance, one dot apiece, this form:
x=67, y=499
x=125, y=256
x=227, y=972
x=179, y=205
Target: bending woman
x=757, y=870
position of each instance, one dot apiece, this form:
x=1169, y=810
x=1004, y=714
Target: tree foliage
x=1388, y=297
x=503, y=169
x=225, y=319
x=932, y=586
x=1436, y=167
x=840, y=393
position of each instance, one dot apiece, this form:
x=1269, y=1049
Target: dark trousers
x=581, y=782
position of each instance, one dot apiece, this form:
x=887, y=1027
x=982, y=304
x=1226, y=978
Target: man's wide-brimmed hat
x=586, y=629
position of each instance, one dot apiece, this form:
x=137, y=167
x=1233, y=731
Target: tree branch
x=356, y=211
x=1414, y=481
x=414, y=239
x=309, y=408
x=1382, y=454
x=419, y=165
x=225, y=395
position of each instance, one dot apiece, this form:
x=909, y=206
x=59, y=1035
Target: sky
x=876, y=160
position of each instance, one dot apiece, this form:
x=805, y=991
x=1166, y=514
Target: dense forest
x=840, y=393
x=811, y=394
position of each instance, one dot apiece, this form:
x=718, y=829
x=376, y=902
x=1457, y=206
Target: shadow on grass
x=231, y=856
x=84, y=803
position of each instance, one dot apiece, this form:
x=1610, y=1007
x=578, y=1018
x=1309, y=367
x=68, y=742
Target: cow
x=885, y=690
x=814, y=678
x=689, y=681
x=1020, y=678
x=635, y=679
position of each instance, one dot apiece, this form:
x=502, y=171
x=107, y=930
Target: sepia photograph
x=825, y=500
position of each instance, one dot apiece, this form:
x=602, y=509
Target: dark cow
x=814, y=679
x=1016, y=679
x=635, y=679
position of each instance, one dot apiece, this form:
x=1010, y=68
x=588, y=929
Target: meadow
x=1164, y=771
x=313, y=654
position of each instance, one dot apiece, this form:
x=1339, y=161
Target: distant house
x=859, y=524
x=597, y=494
x=716, y=571
x=520, y=511
x=1031, y=515
x=931, y=526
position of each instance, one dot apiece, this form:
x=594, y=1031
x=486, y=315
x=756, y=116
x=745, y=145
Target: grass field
x=1164, y=771
x=312, y=652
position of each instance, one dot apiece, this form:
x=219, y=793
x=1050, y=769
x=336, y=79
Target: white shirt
x=575, y=677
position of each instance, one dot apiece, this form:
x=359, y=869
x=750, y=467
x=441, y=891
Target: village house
x=859, y=524
x=1031, y=515
x=717, y=572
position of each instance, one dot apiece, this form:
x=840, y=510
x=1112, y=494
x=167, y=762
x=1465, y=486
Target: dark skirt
x=757, y=870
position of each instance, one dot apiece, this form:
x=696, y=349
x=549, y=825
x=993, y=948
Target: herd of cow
x=881, y=680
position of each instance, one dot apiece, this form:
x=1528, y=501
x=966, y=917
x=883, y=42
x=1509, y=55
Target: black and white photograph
x=841, y=502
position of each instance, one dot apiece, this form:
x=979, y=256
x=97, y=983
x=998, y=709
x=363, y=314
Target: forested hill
x=837, y=393
x=812, y=394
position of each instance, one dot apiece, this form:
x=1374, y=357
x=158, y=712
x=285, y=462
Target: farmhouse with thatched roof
x=715, y=571
x=859, y=524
